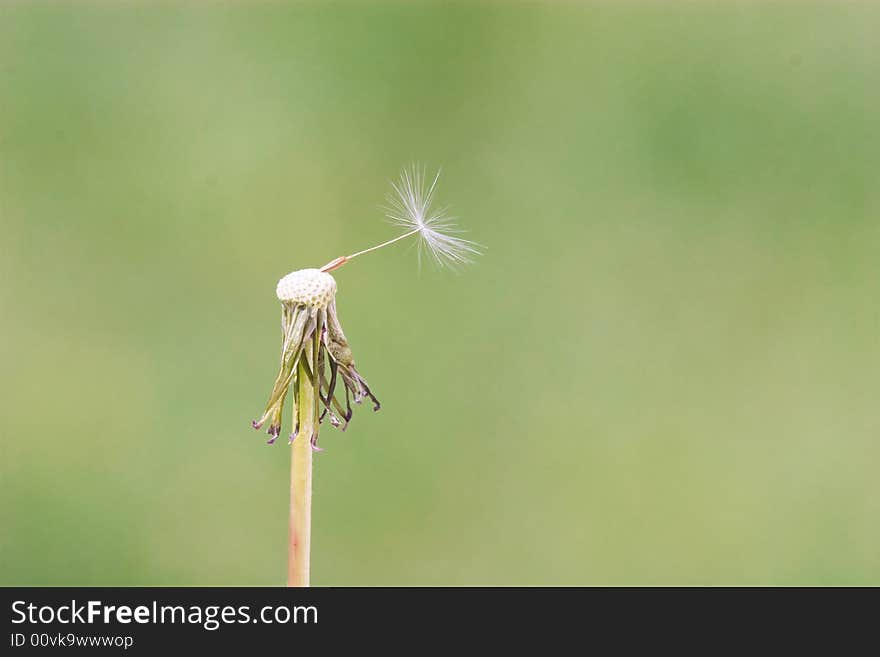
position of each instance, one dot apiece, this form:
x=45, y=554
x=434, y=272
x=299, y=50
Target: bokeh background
x=664, y=370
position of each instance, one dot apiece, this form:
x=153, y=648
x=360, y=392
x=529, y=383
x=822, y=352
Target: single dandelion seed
x=317, y=369
x=409, y=208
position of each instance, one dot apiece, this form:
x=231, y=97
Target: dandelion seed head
x=409, y=207
x=310, y=287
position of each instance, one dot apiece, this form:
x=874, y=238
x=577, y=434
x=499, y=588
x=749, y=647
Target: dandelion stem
x=338, y=262
x=301, y=481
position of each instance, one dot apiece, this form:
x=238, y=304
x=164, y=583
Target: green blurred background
x=664, y=370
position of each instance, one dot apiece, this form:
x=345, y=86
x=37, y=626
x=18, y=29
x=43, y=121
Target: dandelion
x=317, y=367
x=313, y=343
x=315, y=357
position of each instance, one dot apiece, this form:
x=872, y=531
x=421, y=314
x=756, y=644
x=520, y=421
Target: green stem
x=301, y=481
